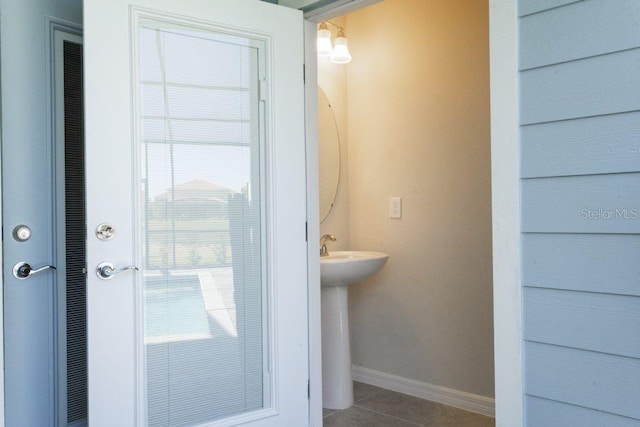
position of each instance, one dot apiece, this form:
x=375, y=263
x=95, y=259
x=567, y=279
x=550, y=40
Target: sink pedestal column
x=337, y=385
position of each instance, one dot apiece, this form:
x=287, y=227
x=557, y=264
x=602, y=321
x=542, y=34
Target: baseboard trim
x=447, y=396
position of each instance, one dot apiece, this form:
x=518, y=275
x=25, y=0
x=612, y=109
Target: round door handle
x=23, y=270
x=106, y=270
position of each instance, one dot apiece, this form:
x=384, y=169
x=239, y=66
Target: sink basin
x=343, y=268
x=338, y=270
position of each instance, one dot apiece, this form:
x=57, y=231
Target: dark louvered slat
x=75, y=234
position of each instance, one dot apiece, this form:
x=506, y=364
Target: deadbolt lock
x=105, y=231
x=21, y=233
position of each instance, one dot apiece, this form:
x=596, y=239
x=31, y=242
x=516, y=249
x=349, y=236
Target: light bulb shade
x=341, y=53
x=324, y=42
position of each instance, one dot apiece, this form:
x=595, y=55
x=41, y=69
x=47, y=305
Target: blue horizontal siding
x=582, y=204
x=594, y=380
x=607, y=263
x=526, y=7
x=589, y=321
x=545, y=38
x=590, y=87
x=594, y=145
x=580, y=164
x=548, y=413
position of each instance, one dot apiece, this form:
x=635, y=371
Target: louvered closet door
x=195, y=159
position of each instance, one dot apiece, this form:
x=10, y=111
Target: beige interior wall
x=418, y=128
x=332, y=78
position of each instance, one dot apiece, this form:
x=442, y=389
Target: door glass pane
x=202, y=233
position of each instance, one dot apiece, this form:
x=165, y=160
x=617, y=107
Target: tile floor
x=377, y=407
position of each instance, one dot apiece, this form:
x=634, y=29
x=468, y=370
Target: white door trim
x=505, y=179
x=313, y=224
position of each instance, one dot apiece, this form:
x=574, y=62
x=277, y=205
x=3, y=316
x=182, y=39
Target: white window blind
x=202, y=178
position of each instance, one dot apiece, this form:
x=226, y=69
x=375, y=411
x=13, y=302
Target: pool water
x=175, y=309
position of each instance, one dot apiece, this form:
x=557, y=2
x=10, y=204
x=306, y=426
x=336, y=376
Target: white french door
x=196, y=211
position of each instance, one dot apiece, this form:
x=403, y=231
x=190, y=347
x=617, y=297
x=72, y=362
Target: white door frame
x=505, y=190
x=505, y=179
x=313, y=224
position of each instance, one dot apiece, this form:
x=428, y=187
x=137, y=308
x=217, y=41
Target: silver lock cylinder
x=21, y=233
x=105, y=231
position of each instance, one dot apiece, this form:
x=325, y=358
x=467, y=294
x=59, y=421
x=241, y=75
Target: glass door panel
x=201, y=176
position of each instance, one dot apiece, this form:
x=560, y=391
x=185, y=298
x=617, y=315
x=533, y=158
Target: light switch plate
x=395, y=207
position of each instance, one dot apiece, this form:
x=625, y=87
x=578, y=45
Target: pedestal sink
x=338, y=270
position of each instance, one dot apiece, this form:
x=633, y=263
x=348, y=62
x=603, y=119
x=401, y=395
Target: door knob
x=106, y=270
x=23, y=270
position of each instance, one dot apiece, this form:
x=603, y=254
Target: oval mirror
x=329, y=155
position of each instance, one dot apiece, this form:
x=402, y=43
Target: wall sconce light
x=338, y=51
x=325, y=48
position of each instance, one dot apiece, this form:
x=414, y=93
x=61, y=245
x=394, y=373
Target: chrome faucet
x=323, y=243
